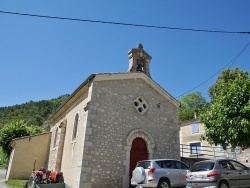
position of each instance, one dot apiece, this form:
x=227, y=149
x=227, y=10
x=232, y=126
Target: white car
x=160, y=173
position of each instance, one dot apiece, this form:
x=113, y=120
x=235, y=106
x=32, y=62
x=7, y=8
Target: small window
x=141, y=105
x=180, y=165
x=195, y=148
x=195, y=128
x=145, y=164
x=237, y=166
x=168, y=164
x=55, y=138
x=75, y=126
x=226, y=165
x=202, y=166
x=165, y=164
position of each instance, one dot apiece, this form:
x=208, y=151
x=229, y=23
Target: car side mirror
x=247, y=168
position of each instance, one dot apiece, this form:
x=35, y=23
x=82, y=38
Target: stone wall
x=109, y=121
x=112, y=117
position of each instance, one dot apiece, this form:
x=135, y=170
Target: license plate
x=196, y=176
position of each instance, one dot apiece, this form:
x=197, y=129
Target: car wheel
x=139, y=174
x=223, y=184
x=163, y=184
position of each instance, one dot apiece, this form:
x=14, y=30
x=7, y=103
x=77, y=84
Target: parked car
x=160, y=173
x=221, y=173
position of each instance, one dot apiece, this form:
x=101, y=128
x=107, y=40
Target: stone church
x=111, y=121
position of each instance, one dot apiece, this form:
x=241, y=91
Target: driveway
x=2, y=179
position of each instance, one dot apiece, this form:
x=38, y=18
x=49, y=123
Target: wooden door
x=138, y=152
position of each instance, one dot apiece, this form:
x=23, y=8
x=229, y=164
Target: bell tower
x=139, y=60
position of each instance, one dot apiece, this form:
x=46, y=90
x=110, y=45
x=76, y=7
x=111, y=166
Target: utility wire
x=127, y=24
x=148, y=26
x=227, y=65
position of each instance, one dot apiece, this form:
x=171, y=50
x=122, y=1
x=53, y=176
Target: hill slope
x=33, y=113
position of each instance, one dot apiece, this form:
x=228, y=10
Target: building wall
x=187, y=137
x=108, y=123
x=67, y=154
x=25, y=151
x=186, y=132
x=112, y=118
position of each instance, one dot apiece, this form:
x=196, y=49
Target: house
x=192, y=146
x=111, y=121
x=190, y=139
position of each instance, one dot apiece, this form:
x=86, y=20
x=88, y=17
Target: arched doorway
x=138, y=152
x=149, y=148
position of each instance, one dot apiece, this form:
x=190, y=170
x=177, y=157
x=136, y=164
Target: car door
x=244, y=174
x=171, y=172
x=230, y=173
x=182, y=169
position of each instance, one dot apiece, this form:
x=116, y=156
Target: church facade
x=110, y=122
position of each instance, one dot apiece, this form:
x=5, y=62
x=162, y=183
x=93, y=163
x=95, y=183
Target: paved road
x=2, y=179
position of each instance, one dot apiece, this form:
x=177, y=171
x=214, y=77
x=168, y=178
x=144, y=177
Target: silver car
x=221, y=173
x=160, y=173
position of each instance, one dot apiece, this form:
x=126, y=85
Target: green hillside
x=33, y=113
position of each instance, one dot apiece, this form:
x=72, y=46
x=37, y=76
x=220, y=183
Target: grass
x=2, y=167
x=14, y=183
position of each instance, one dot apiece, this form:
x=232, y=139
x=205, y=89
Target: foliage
x=33, y=113
x=19, y=120
x=3, y=157
x=191, y=104
x=14, y=183
x=15, y=130
x=227, y=118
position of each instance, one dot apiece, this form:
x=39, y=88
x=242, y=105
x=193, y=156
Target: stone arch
x=137, y=133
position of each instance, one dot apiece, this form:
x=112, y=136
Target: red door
x=138, y=152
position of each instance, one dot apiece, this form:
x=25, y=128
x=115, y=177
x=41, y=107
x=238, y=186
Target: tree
x=15, y=130
x=227, y=118
x=191, y=104
x=33, y=113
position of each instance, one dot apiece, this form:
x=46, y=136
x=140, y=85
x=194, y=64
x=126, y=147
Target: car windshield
x=202, y=166
x=144, y=164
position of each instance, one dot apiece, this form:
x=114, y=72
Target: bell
x=139, y=67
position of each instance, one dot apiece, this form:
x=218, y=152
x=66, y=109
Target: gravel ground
x=2, y=179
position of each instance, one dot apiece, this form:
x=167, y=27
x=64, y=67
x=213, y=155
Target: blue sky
x=43, y=58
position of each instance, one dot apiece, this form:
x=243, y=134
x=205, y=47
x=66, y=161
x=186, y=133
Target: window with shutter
x=195, y=128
